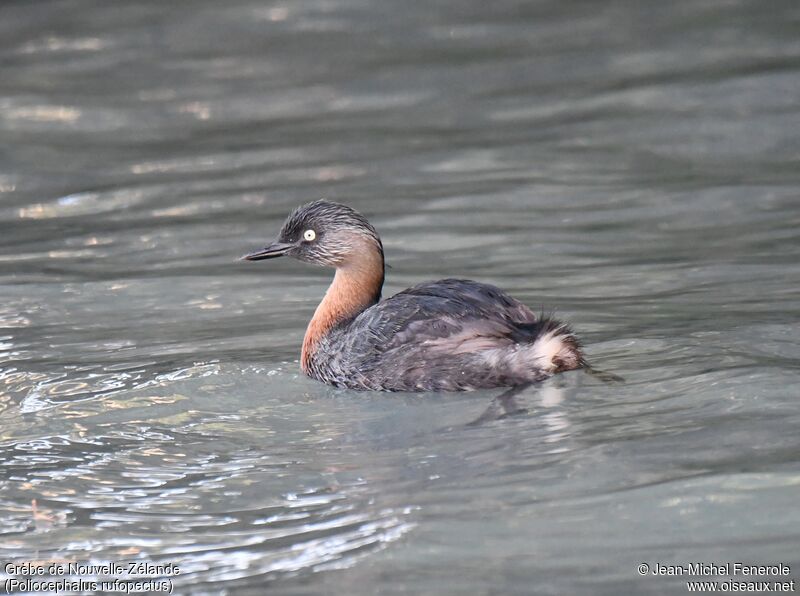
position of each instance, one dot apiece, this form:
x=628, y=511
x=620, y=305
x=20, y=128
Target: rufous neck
x=356, y=286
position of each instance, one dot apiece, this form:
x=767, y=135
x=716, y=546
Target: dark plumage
x=447, y=335
x=334, y=226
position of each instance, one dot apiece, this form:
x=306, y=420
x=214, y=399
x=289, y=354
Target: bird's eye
x=309, y=235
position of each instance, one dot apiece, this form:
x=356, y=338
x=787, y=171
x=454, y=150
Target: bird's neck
x=355, y=287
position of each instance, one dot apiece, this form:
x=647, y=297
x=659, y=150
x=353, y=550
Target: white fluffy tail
x=557, y=349
x=541, y=349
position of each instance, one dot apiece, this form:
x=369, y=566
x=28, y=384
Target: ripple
x=44, y=113
x=312, y=529
x=53, y=43
x=82, y=203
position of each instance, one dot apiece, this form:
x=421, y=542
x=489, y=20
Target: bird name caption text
x=73, y=576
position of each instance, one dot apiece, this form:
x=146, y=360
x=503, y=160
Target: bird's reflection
x=502, y=406
x=550, y=396
x=509, y=403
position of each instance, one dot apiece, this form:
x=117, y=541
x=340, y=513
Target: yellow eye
x=309, y=235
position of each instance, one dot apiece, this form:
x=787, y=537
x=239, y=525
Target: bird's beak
x=276, y=249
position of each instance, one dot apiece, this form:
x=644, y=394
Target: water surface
x=635, y=166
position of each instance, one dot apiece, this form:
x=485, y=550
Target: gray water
x=635, y=166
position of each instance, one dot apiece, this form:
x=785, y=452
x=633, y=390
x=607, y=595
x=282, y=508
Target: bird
x=446, y=335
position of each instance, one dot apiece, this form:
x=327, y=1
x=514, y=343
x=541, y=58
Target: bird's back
x=446, y=335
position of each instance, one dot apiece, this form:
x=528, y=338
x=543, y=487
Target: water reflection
x=159, y=469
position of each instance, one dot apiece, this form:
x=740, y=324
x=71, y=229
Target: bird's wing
x=454, y=312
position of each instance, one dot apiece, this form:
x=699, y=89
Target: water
x=635, y=166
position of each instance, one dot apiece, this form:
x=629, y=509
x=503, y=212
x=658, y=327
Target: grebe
x=447, y=335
